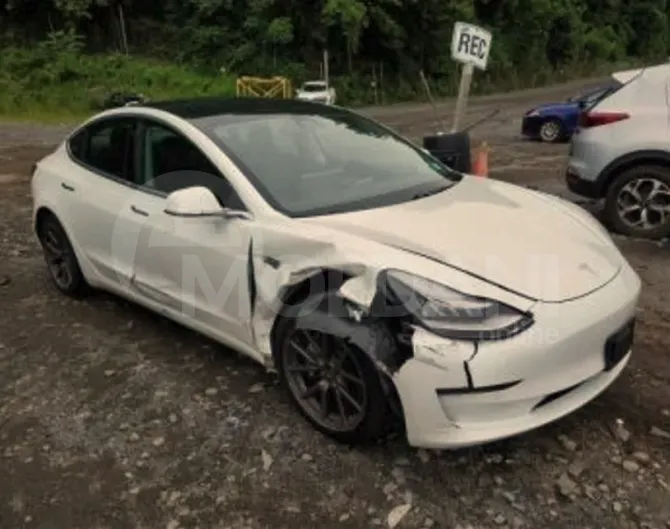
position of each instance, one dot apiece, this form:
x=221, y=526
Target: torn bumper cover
x=457, y=394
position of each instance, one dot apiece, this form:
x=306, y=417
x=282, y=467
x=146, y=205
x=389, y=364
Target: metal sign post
x=470, y=45
x=463, y=93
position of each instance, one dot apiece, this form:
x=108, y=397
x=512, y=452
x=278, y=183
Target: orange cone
x=480, y=165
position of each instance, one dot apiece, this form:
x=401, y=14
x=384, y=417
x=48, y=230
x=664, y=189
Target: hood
x=557, y=107
x=521, y=240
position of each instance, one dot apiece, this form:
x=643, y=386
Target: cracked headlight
x=453, y=314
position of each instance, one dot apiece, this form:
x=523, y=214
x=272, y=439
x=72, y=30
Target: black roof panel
x=215, y=106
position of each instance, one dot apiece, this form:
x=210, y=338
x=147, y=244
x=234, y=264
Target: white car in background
x=325, y=246
x=316, y=91
x=620, y=152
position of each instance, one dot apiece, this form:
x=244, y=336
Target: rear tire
x=61, y=259
x=551, y=131
x=299, y=375
x=638, y=202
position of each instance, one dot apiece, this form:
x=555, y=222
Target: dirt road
x=113, y=418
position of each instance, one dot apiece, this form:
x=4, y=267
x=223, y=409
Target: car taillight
x=596, y=119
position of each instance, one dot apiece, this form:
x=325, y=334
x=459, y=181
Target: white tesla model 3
x=327, y=247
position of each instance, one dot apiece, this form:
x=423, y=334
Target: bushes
x=57, y=78
x=534, y=42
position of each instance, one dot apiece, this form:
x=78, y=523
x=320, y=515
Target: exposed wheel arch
x=326, y=280
x=323, y=320
x=42, y=214
x=375, y=340
x=630, y=160
x=329, y=280
x=60, y=255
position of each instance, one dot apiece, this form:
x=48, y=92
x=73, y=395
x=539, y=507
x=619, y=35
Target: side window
x=77, y=145
x=171, y=162
x=108, y=146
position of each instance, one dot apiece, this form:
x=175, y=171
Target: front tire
x=551, y=131
x=638, y=202
x=61, y=259
x=331, y=382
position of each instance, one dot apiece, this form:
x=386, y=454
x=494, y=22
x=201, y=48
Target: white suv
x=621, y=152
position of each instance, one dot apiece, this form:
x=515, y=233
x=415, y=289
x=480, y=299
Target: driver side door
x=196, y=267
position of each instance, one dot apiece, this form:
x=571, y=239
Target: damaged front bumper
x=456, y=394
x=453, y=393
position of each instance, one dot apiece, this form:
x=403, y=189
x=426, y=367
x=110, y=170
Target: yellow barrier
x=279, y=87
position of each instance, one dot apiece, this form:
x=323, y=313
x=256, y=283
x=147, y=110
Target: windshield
x=313, y=87
x=592, y=97
x=333, y=161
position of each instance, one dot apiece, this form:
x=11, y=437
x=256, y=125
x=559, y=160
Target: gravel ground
x=114, y=418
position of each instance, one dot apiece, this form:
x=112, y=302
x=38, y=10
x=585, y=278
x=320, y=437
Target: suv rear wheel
x=638, y=202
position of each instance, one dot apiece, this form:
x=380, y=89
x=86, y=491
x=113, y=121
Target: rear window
x=591, y=100
x=77, y=144
x=615, y=86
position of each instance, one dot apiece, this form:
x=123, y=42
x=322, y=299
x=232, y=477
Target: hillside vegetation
x=63, y=56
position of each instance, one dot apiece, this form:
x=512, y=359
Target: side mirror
x=196, y=201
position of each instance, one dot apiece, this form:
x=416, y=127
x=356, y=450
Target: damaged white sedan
x=364, y=271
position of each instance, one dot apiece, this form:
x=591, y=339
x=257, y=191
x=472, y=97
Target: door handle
x=67, y=187
x=139, y=211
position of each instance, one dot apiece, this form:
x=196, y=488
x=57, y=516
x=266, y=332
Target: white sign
x=470, y=44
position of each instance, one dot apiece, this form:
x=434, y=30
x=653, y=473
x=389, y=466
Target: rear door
x=101, y=181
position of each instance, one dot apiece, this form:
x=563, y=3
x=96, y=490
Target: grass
x=46, y=117
x=50, y=84
x=69, y=86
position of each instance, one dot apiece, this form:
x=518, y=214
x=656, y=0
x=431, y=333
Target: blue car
x=555, y=122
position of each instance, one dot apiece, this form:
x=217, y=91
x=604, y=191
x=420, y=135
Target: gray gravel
x=113, y=418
